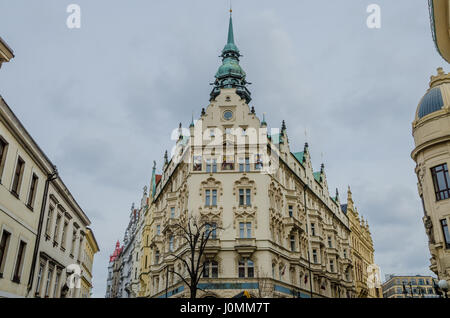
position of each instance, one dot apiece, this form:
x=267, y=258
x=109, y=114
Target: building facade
x=398, y=286
x=114, y=276
x=276, y=230
x=431, y=132
x=42, y=227
x=6, y=53
x=90, y=249
x=365, y=271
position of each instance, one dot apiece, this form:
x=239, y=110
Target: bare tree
x=265, y=285
x=195, y=233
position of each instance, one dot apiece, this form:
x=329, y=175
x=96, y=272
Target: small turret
x=263, y=123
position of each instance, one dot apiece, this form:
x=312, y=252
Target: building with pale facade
x=365, y=271
x=6, y=53
x=276, y=230
x=90, y=249
x=114, y=274
x=42, y=227
x=404, y=286
x=431, y=132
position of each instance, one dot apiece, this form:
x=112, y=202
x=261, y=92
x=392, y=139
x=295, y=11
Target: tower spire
x=230, y=30
x=230, y=73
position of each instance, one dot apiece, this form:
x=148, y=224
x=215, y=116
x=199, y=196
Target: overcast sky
x=102, y=100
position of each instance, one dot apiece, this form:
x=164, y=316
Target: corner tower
x=431, y=131
x=230, y=74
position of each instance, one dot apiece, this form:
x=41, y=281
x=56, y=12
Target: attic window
x=228, y=99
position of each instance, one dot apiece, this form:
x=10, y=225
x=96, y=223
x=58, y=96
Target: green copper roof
x=230, y=74
x=299, y=156
x=317, y=176
x=230, y=46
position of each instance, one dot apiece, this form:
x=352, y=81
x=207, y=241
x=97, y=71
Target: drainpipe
x=305, y=188
x=50, y=177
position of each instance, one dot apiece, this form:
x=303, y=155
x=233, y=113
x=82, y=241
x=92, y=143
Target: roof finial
x=192, y=120
x=230, y=30
x=263, y=123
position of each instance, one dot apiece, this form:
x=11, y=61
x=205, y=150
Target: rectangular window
x=39, y=279
x=18, y=174
x=212, y=133
x=241, y=268
x=248, y=198
x=214, y=269
x=206, y=270
x=214, y=197
x=207, y=197
x=56, y=233
x=241, y=197
x=214, y=165
x=56, y=287
x=19, y=262
x=291, y=210
x=293, y=243
x=314, y=252
x=171, y=244
x=157, y=257
x=32, y=193
x=3, y=150
x=158, y=229
x=441, y=182
x=212, y=229
x=258, y=162
x=245, y=229
x=313, y=229
x=208, y=165
x=446, y=233
x=331, y=265
x=244, y=164
x=172, y=212
x=74, y=239
x=330, y=243
x=49, y=280
x=49, y=220
x=4, y=245
x=64, y=234
x=250, y=269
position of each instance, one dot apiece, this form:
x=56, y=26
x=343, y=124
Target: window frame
x=445, y=233
x=20, y=258
x=441, y=194
x=3, y=153
x=17, y=176
x=32, y=191
x=4, y=249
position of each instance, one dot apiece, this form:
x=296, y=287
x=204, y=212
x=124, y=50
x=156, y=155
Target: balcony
x=292, y=222
x=212, y=248
x=245, y=246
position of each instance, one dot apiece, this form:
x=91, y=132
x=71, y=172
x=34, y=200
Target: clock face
x=227, y=115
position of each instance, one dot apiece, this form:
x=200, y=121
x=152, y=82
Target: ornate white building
x=431, y=131
x=277, y=232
